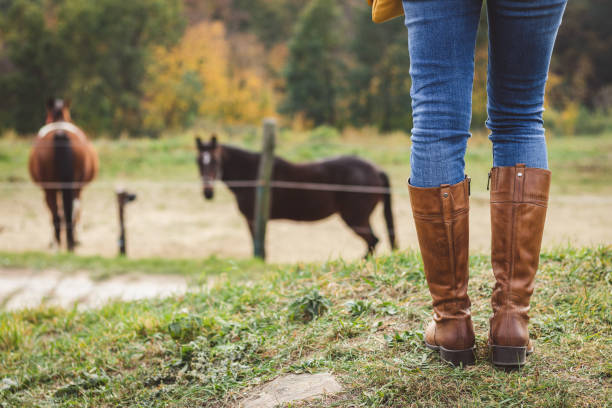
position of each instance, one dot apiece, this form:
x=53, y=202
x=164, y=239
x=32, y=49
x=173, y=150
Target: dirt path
x=24, y=288
x=175, y=221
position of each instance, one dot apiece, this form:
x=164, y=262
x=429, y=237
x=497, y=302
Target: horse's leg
x=67, y=196
x=370, y=238
x=76, y=214
x=361, y=226
x=251, y=224
x=51, y=199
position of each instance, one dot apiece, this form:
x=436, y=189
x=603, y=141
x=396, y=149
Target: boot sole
x=456, y=358
x=508, y=356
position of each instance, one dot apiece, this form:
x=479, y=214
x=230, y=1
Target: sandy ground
x=175, y=221
x=23, y=288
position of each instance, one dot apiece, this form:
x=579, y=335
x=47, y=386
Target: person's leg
x=442, y=38
x=521, y=39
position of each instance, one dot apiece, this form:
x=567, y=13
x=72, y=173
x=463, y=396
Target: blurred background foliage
x=140, y=67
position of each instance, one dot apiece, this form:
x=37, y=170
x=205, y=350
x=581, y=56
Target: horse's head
x=58, y=110
x=209, y=163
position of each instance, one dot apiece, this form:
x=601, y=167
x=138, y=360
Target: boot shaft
x=441, y=217
x=519, y=199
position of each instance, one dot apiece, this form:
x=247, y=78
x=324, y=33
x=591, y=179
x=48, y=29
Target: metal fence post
x=262, y=198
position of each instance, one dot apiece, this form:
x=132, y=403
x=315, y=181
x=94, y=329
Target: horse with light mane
x=62, y=162
x=347, y=185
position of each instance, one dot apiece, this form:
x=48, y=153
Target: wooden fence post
x=262, y=198
x=123, y=197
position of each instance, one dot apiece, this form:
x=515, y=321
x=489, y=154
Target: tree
x=582, y=54
x=390, y=102
x=93, y=51
x=271, y=20
x=110, y=44
x=32, y=65
x=196, y=78
x=314, y=68
x=379, y=78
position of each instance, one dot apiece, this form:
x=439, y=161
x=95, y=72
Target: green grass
x=362, y=321
x=579, y=164
x=102, y=267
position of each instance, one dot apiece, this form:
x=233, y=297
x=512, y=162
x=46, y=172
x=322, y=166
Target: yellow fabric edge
x=385, y=10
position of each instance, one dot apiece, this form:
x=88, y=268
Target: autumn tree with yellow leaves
x=197, y=78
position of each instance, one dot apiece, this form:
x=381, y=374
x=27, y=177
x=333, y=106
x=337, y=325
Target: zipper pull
x=489, y=181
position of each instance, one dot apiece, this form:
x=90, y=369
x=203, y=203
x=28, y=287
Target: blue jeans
x=442, y=39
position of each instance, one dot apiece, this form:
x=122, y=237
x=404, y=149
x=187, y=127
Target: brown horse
x=63, y=161
x=346, y=185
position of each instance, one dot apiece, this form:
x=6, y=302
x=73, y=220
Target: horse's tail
x=63, y=159
x=388, y=212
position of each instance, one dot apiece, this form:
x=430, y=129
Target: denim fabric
x=441, y=41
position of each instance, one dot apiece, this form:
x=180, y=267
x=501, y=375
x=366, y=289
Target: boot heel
x=458, y=357
x=507, y=356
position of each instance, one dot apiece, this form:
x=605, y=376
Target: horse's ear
x=199, y=143
x=213, y=141
x=66, y=110
x=50, y=103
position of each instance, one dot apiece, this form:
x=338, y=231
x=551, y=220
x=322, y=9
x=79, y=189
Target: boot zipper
x=488, y=181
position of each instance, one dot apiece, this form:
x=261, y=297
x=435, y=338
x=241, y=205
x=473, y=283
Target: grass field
x=101, y=268
x=243, y=322
x=583, y=163
x=211, y=348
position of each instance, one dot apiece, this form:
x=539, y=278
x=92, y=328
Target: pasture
x=171, y=218
x=216, y=345
x=238, y=323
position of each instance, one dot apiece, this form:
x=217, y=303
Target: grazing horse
x=63, y=161
x=346, y=185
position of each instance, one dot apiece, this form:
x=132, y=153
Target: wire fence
x=278, y=184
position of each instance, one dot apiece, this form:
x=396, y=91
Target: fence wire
x=278, y=184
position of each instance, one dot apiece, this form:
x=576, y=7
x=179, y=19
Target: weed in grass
x=387, y=308
x=7, y=385
x=310, y=366
x=358, y=307
x=414, y=338
x=86, y=381
x=309, y=307
x=185, y=327
x=11, y=334
x=349, y=329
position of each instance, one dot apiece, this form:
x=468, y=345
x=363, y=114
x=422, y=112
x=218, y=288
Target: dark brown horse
x=346, y=185
x=62, y=161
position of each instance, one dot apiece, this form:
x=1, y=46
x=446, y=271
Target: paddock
x=184, y=225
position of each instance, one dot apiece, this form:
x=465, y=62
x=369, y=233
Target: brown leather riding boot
x=441, y=216
x=519, y=197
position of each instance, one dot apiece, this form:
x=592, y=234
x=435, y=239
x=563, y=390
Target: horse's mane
x=244, y=153
x=239, y=150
